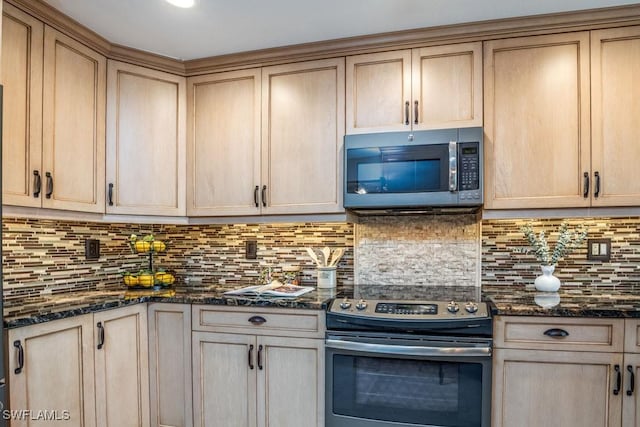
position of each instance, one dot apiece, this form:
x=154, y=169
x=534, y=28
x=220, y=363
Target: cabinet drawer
x=259, y=320
x=547, y=333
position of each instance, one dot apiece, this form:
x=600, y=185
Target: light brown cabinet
x=121, y=367
x=146, y=141
x=223, y=136
x=54, y=138
x=302, y=134
x=170, y=365
x=424, y=88
x=565, y=371
x=615, y=67
x=56, y=373
x=90, y=370
x=250, y=369
x=536, y=109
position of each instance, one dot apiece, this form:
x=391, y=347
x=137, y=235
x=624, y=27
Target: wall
x=503, y=264
x=47, y=256
x=418, y=250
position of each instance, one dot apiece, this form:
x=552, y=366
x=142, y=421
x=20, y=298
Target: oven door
x=407, y=381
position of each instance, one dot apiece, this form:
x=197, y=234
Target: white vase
x=547, y=282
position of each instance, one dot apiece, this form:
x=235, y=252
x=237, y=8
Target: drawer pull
x=18, y=345
x=556, y=333
x=616, y=390
x=257, y=320
x=632, y=380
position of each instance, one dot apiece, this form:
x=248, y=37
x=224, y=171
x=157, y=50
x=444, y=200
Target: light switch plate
x=599, y=250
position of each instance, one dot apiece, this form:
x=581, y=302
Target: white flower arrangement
x=567, y=242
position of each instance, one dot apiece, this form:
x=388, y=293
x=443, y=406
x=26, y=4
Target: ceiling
x=218, y=27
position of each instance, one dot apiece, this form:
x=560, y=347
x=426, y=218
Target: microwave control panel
x=469, y=164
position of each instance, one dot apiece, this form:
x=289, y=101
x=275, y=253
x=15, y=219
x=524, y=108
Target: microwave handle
x=453, y=166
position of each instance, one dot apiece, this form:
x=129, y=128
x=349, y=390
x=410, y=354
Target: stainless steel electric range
x=408, y=356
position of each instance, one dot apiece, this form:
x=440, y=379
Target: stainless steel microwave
x=413, y=170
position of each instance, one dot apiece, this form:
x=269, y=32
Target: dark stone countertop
x=59, y=306
x=622, y=300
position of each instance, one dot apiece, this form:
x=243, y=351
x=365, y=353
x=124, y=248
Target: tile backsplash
x=418, y=250
x=47, y=256
x=503, y=263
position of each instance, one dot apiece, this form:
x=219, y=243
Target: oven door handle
x=407, y=350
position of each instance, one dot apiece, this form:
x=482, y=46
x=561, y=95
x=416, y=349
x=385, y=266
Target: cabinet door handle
x=37, y=183
x=49, y=185
x=406, y=113
x=556, y=333
x=616, y=390
x=251, y=357
x=17, y=344
x=596, y=190
x=100, y=335
x=632, y=380
x=257, y=320
x=110, y=194
x=585, y=185
x=255, y=196
x=264, y=196
x=415, y=111
x=260, y=357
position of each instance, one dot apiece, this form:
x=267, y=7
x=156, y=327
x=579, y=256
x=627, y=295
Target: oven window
x=409, y=391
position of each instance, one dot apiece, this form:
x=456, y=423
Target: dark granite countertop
x=58, y=306
x=621, y=300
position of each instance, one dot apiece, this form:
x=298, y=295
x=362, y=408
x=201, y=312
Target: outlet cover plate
x=251, y=249
x=92, y=249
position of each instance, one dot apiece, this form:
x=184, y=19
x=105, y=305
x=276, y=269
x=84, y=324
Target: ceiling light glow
x=182, y=3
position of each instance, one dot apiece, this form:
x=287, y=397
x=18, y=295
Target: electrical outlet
x=92, y=249
x=599, y=250
x=251, y=249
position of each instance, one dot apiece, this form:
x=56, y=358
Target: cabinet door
x=302, y=134
x=22, y=56
x=170, y=365
x=447, y=86
x=615, y=79
x=57, y=375
x=224, y=143
x=554, y=388
x=291, y=382
x=631, y=399
x=224, y=379
x=73, y=124
x=146, y=142
x=379, y=92
x=537, y=125
x=121, y=367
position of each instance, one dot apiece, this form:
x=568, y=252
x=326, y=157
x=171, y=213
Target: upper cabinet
x=53, y=138
x=22, y=58
x=615, y=90
x=146, y=141
x=302, y=133
x=223, y=134
x=426, y=88
x=266, y=141
x=537, y=145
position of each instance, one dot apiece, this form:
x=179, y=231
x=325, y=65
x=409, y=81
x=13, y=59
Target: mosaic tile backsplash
x=47, y=256
x=503, y=263
x=418, y=250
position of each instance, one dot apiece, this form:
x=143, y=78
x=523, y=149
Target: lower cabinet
x=170, y=365
x=564, y=372
x=88, y=370
x=264, y=378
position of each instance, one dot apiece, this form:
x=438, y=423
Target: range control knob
x=345, y=304
x=471, y=307
x=361, y=305
x=453, y=307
